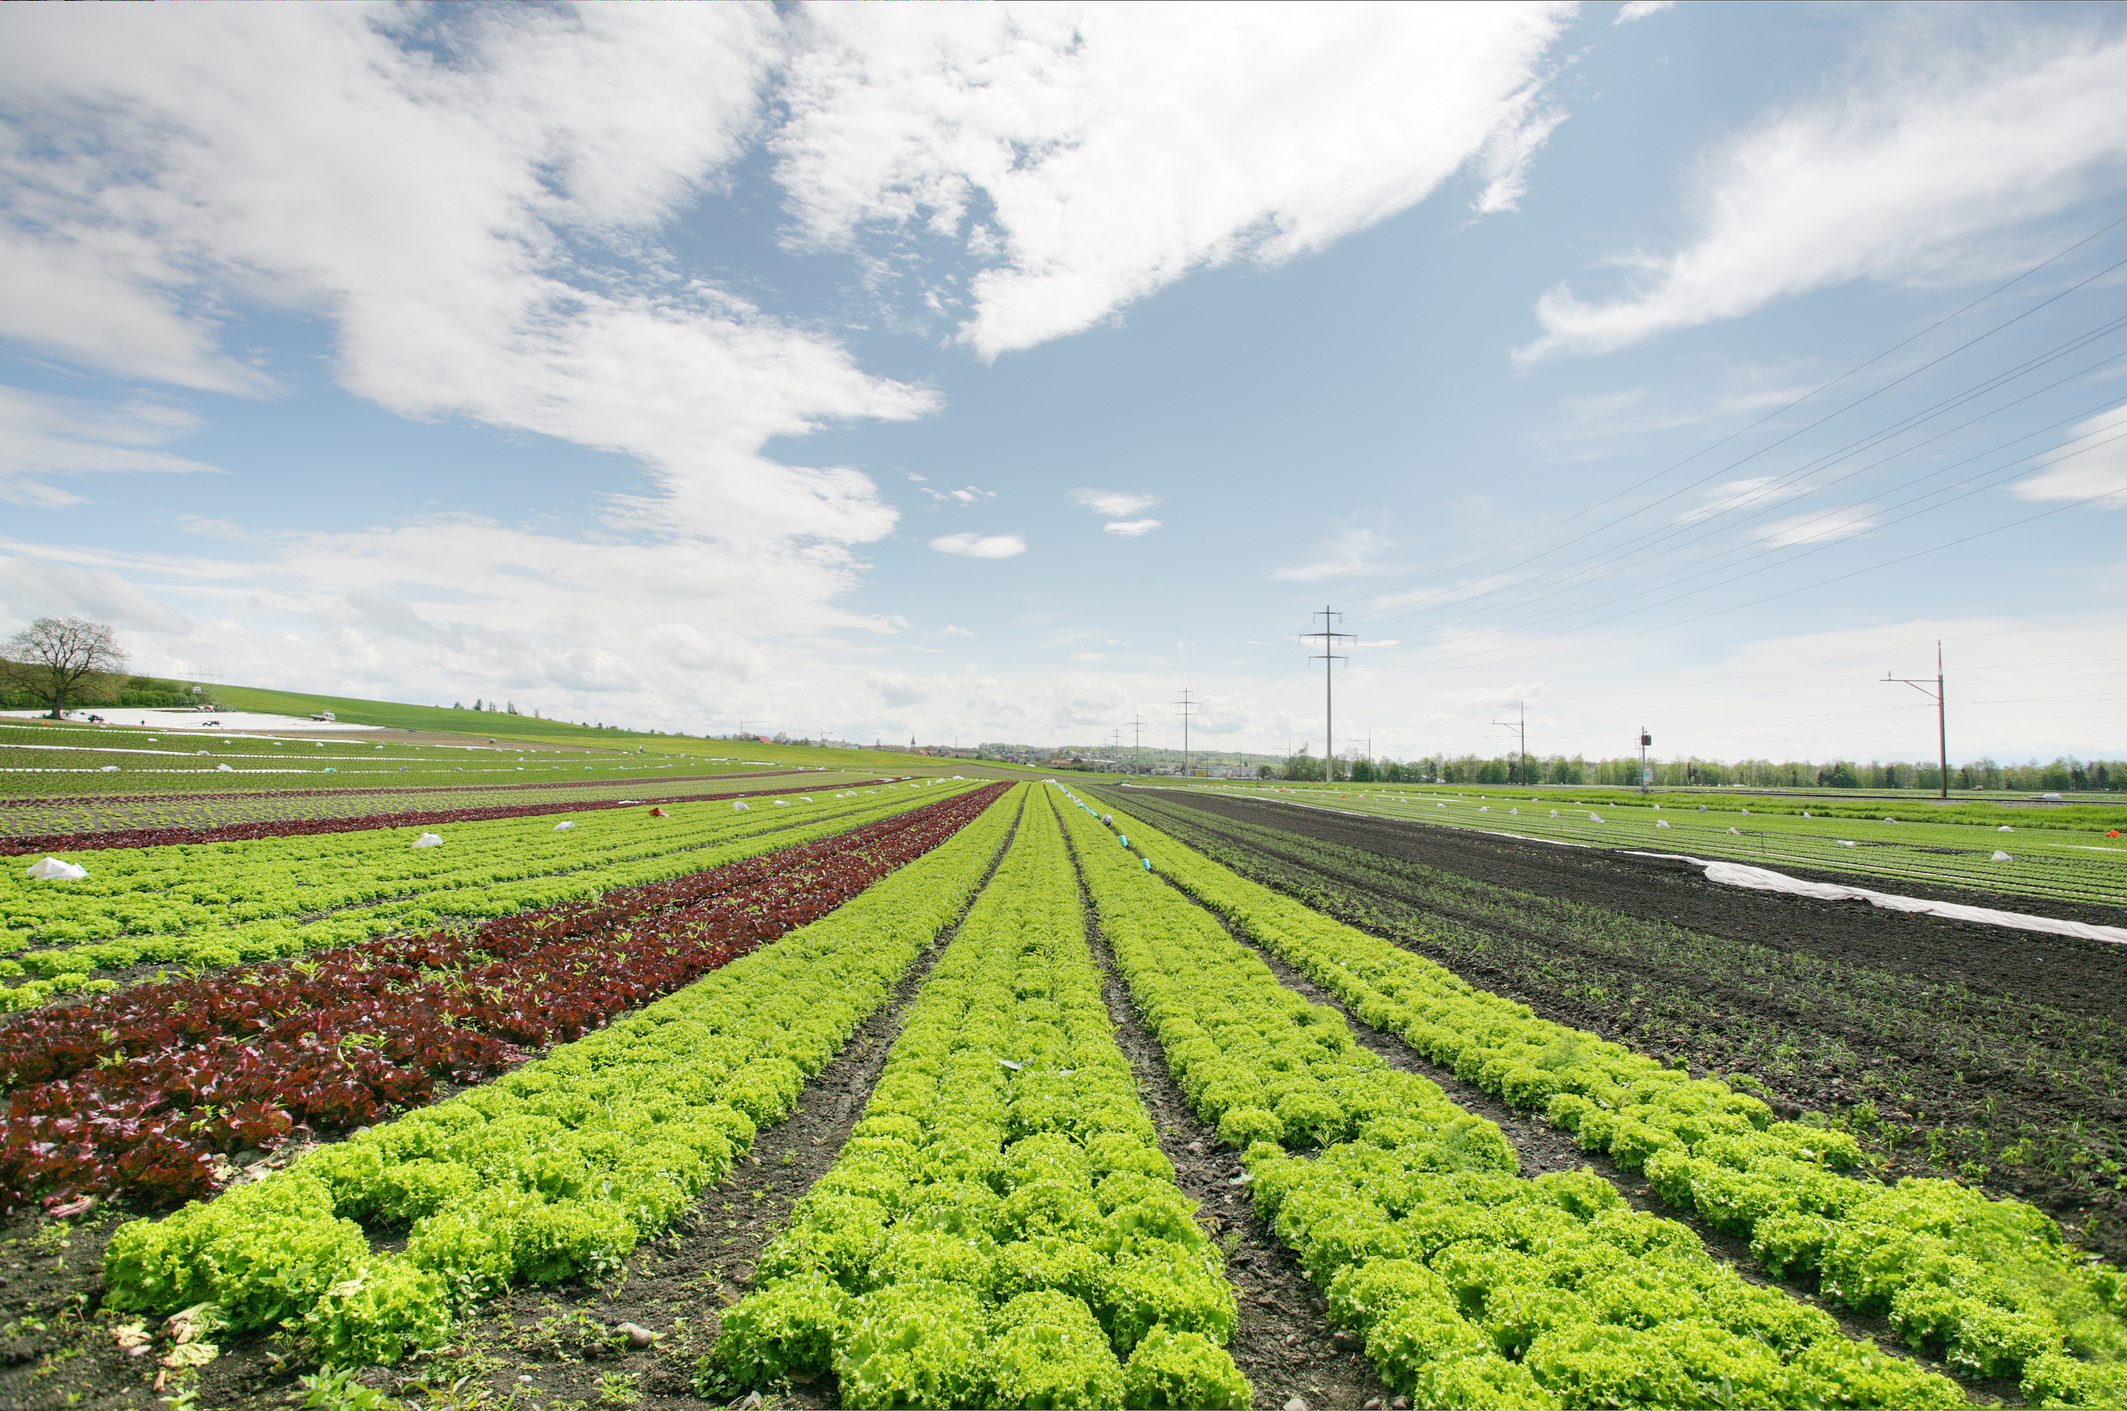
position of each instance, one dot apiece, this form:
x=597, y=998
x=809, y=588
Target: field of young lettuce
x=949, y=1093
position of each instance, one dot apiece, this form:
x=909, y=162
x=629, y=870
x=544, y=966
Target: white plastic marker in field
x=740, y=808
x=2000, y=856
x=53, y=870
x=1736, y=874
x=428, y=840
x=563, y=827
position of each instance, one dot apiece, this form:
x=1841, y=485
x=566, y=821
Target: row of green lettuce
x=560, y=1167
x=1001, y=1228
x=347, y=887
x=1990, y=1285
x=1472, y=1287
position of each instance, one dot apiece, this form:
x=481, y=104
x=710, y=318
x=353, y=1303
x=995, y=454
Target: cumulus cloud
x=44, y=438
x=1084, y=156
x=1950, y=141
x=472, y=201
x=1640, y=9
x=1114, y=502
x=981, y=546
x=2092, y=462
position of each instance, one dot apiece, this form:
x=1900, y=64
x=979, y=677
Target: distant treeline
x=2063, y=775
x=100, y=689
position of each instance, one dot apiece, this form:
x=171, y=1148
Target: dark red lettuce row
x=134, y=1092
x=356, y=823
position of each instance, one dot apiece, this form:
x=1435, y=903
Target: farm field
x=949, y=1093
x=87, y=766
x=2053, y=852
x=1944, y=1047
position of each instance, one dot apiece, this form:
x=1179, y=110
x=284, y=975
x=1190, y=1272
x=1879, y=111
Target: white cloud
x=1757, y=491
x=474, y=209
x=1130, y=528
x=1909, y=171
x=1640, y=9
x=1821, y=527
x=965, y=495
x=1087, y=155
x=2092, y=462
x=34, y=587
x=949, y=630
x=45, y=437
x=1114, y=502
x=1350, y=551
x=981, y=546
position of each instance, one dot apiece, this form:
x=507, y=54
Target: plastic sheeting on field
x=53, y=870
x=428, y=840
x=1736, y=874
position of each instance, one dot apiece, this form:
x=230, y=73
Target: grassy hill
x=485, y=725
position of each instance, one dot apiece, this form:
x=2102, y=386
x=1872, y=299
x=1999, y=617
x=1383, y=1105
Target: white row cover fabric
x=428, y=840
x=53, y=870
x=1736, y=874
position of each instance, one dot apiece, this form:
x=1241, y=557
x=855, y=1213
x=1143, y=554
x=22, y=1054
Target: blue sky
x=1000, y=372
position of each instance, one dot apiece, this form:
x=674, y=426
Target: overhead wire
x=1664, y=533
x=1798, y=401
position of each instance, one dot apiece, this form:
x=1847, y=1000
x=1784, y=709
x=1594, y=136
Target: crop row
x=254, y=901
x=1990, y=1284
x=1946, y=1056
x=1001, y=1228
x=1471, y=1287
x=349, y=823
x=561, y=1166
x=133, y=1093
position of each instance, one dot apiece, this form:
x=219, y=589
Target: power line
x=1789, y=406
x=1187, y=706
x=1329, y=658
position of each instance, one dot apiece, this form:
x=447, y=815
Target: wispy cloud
x=1641, y=9
x=1114, y=502
x=2092, y=462
x=1130, y=528
x=45, y=438
x=1821, y=527
x=981, y=546
x=1350, y=551
x=1740, y=494
x=1085, y=156
x=1966, y=126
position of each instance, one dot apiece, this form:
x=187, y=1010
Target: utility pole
x=1942, y=719
x=1523, y=726
x=1187, y=705
x=1137, y=740
x=1645, y=740
x=1328, y=658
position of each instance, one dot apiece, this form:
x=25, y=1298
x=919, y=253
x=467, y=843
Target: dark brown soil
x=2057, y=970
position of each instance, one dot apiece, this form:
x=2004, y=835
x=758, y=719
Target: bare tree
x=55, y=657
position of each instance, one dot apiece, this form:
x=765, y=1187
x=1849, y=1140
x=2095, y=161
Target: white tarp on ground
x=53, y=870
x=1736, y=874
